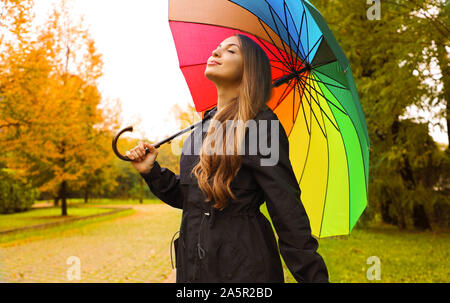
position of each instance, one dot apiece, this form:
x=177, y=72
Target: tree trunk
x=444, y=64
x=63, y=198
x=420, y=218
x=86, y=194
x=385, y=215
x=55, y=201
x=63, y=188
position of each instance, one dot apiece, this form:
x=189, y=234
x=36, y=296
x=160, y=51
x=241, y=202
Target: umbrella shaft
x=181, y=132
x=286, y=78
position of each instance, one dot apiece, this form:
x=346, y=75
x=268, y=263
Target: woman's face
x=229, y=62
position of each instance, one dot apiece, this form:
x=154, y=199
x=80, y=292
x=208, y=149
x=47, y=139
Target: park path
x=132, y=248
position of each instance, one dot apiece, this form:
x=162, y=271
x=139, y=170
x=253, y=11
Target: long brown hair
x=215, y=172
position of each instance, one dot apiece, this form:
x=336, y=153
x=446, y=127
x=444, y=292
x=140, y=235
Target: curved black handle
x=114, y=144
x=207, y=116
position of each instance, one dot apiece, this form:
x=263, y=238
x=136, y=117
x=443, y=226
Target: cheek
x=238, y=68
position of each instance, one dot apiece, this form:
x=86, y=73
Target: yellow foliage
x=51, y=122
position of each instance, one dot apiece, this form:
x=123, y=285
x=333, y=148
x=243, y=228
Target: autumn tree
x=56, y=131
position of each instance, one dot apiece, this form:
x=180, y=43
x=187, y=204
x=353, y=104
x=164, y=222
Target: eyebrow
x=231, y=44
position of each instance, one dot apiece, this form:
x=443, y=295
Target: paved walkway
x=133, y=248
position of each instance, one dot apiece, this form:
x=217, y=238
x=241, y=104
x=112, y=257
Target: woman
x=223, y=235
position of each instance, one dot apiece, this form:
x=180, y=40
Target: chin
x=211, y=76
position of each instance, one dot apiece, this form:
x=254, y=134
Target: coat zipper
x=200, y=250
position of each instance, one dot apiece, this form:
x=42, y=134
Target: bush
x=15, y=194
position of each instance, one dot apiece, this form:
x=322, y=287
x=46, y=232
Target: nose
x=215, y=53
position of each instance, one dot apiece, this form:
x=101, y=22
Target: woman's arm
x=282, y=194
x=165, y=185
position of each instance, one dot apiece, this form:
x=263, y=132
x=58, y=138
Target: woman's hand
x=141, y=161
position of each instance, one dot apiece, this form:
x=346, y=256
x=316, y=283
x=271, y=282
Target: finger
x=149, y=146
x=142, y=148
x=138, y=152
x=129, y=155
x=135, y=155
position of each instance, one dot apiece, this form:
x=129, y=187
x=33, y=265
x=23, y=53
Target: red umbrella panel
x=196, y=41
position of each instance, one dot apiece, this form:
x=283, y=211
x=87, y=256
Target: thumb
x=149, y=146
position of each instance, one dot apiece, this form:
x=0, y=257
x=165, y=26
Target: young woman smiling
x=223, y=236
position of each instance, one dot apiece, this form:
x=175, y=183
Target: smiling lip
x=212, y=62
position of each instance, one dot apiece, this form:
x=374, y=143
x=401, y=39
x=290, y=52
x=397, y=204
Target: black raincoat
x=238, y=244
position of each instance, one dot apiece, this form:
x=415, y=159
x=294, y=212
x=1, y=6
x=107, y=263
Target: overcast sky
x=140, y=61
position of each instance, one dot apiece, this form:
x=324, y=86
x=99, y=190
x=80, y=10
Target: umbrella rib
x=320, y=109
x=282, y=95
x=295, y=25
x=319, y=105
x=304, y=59
x=328, y=100
x=326, y=83
x=273, y=60
x=295, y=114
x=309, y=52
x=281, y=98
x=362, y=159
x=335, y=126
x=322, y=112
x=278, y=30
x=309, y=137
x=293, y=107
x=313, y=111
x=328, y=167
x=307, y=33
x=274, y=44
x=300, y=33
x=303, y=109
x=283, y=70
x=348, y=178
x=289, y=36
x=317, y=71
x=360, y=147
x=285, y=27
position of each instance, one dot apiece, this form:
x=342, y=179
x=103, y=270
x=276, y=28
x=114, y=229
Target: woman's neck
x=226, y=95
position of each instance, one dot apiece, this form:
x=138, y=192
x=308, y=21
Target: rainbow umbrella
x=314, y=95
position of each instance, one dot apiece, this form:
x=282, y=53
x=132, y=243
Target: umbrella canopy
x=314, y=95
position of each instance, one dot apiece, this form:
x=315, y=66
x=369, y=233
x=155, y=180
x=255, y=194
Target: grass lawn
x=405, y=256
x=59, y=230
x=97, y=201
x=44, y=215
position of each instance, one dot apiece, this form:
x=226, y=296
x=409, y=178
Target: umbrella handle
x=114, y=144
x=157, y=145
